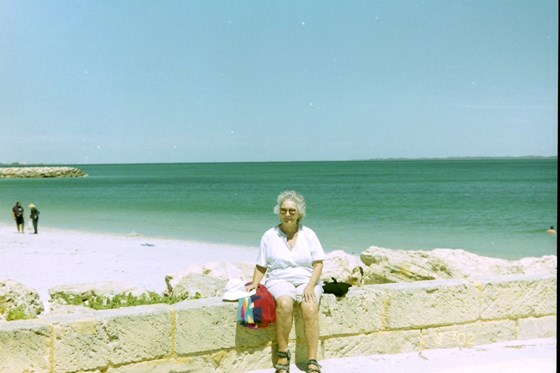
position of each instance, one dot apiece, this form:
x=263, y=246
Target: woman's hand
x=309, y=294
x=258, y=275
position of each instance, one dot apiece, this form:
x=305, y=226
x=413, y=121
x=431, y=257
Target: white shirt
x=290, y=264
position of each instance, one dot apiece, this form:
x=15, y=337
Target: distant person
x=551, y=230
x=34, y=215
x=17, y=212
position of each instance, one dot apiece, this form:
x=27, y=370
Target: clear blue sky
x=208, y=81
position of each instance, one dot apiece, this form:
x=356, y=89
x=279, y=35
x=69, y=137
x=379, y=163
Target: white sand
x=60, y=257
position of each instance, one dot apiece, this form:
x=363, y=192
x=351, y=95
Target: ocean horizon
x=492, y=206
x=451, y=158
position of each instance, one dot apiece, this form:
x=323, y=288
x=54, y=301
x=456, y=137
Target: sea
x=493, y=207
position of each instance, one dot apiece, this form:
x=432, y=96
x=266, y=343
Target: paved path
x=530, y=356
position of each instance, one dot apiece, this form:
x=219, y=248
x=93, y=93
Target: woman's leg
x=284, y=321
x=310, y=313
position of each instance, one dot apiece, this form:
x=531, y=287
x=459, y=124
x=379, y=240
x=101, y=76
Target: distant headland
x=39, y=172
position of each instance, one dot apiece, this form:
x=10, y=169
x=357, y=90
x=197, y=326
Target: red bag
x=258, y=310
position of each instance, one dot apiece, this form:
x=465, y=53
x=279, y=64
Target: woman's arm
x=258, y=275
x=309, y=291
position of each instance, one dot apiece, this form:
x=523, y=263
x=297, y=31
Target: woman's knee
x=309, y=311
x=284, y=304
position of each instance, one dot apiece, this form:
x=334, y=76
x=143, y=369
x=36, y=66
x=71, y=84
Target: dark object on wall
x=337, y=288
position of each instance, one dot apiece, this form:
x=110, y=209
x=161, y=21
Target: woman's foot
x=282, y=366
x=313, y=366
x=283, y=363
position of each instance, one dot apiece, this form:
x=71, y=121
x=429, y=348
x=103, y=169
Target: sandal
x=283, y=367
x=313, y=370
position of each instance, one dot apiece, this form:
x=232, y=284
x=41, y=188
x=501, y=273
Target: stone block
x=138, y=333
x=242, y=360
x=196, y=320
x=359, y=312
x=518, y=296
x=24, y=346
x=370, y=344
x=249, y=338
x=468, y=335
x=113, y=337
x=532, y=328
x=430, y=303
x=80, y=345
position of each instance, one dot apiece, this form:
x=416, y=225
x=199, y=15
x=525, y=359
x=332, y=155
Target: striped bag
x=258, y=310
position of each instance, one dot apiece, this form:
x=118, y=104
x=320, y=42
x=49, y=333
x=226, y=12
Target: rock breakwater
x=40, y=172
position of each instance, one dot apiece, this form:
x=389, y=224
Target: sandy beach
x=60, y=257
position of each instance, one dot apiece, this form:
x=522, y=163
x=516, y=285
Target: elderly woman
x=292, y=257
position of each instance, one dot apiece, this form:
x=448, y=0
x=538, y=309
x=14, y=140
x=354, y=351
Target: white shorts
x=282, y=287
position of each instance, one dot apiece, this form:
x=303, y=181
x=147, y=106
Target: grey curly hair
x=292, y=196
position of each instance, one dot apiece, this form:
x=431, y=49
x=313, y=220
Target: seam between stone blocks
x=384, y=313
x=173, y=331
x=51, y=348
x=479, y=289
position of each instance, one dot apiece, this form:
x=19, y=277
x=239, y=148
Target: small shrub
x=98, y=302
x=17, y=313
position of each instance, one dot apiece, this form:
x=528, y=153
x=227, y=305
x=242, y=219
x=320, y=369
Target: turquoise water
x=493, y=207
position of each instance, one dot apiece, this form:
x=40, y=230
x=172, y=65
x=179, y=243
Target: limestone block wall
x=202, y=335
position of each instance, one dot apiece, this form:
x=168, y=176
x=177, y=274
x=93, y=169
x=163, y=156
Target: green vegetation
x=12, y=314
x=17, y=313
x=99, y=302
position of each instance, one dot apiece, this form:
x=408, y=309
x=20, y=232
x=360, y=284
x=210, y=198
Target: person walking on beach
x=34, y=216
x=292, y=257
x=17, y=212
